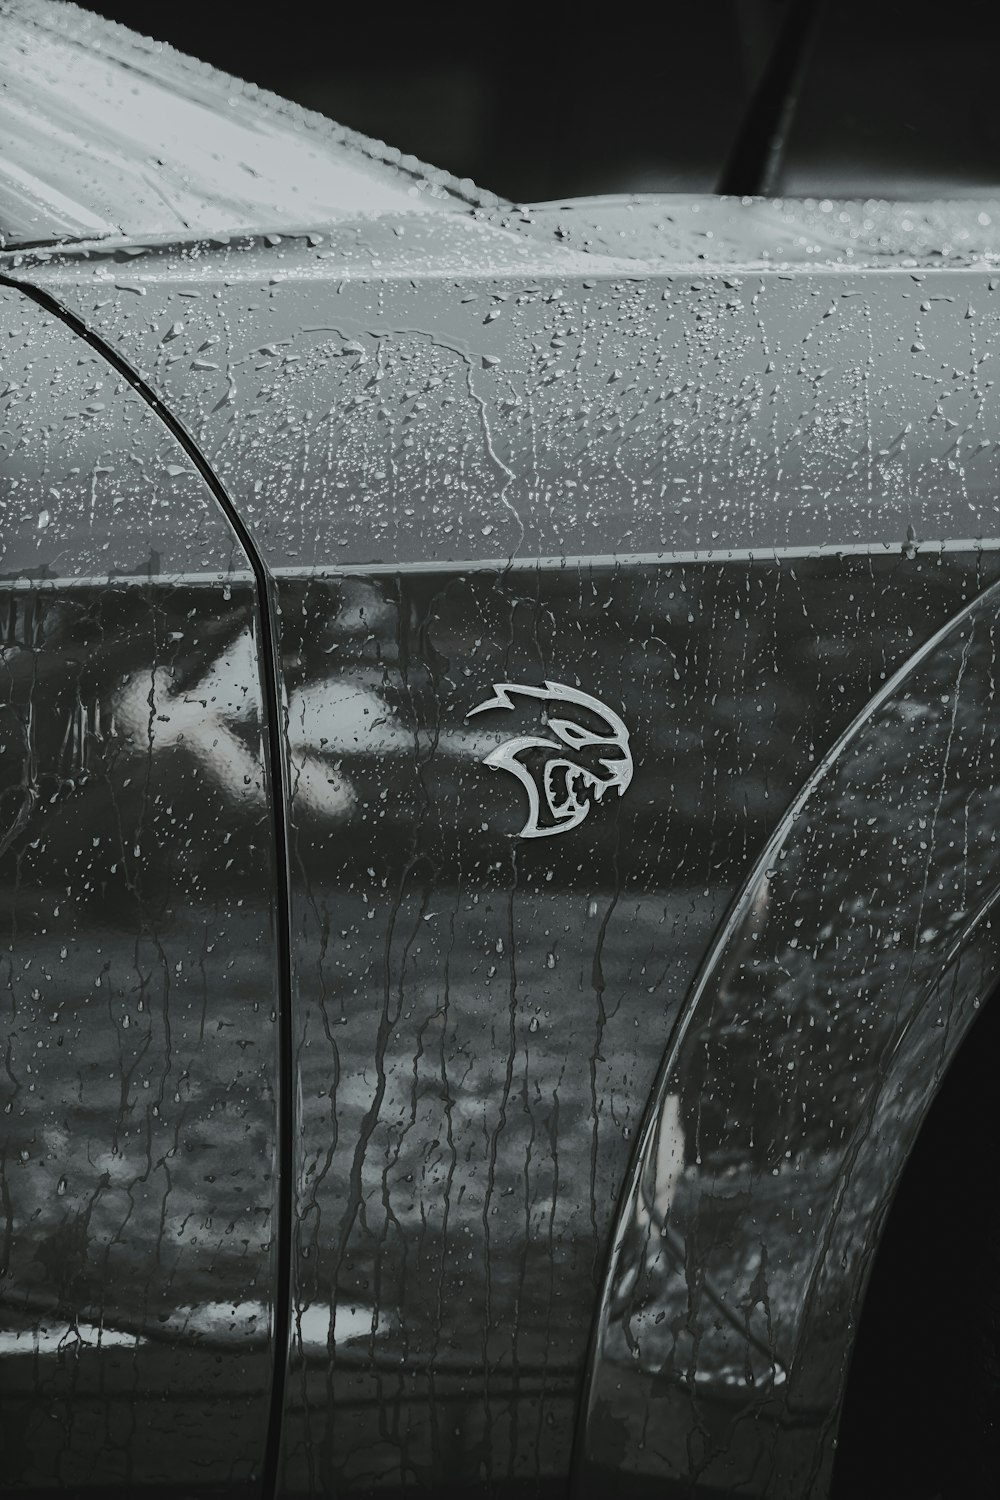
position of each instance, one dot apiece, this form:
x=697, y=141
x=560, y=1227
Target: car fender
x=838, y=989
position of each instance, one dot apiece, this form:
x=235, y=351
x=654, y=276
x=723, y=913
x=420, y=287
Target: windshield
x=107, y=134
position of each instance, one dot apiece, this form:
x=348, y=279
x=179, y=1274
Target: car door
x=140, y=974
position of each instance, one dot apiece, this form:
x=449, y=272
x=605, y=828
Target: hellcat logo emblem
x=561, y=788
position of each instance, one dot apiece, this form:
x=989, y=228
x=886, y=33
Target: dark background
x=558, y=99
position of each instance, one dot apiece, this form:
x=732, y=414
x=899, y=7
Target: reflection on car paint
x=470, y=458
x=137, y=1182
x=139, y=1039
x=480, y=1020
x=852, y=964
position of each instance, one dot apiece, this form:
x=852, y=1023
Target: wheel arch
x=836, y=995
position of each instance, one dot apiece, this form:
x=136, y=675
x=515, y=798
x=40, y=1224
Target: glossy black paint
x=516, y=999
x=826, y=1013
x=700, y=494
x=137, y=863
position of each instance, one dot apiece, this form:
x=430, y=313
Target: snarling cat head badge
x=582, y=753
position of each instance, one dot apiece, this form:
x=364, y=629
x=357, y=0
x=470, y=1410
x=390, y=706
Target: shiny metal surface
x=476, y=1050
x=470, y=458
x=825, y=1015
x=443, y=391
x=567, y=767
x=139, y=974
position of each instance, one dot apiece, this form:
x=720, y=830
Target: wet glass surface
x=108, y=133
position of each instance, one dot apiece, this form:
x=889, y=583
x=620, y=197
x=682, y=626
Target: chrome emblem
x=561, y=790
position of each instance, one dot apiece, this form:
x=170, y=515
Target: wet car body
x=354, y=1141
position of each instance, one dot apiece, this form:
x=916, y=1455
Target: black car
x=500, y=795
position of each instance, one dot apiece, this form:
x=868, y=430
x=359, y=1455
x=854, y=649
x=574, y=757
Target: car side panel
x=139, y=973
x=479, y=1020
x=699, y=497
x=827, y=1011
